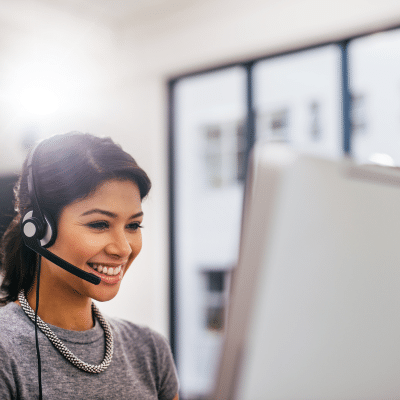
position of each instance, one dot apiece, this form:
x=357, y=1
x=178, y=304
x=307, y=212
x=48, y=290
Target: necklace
x=59, y=345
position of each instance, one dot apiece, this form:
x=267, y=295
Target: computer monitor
x=315, y=305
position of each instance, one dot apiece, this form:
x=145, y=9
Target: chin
x=104, y=294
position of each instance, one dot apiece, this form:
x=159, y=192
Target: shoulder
x=14, y=331
x=8, y=310
x=150, y=351
x=13, y=322
x=142, y=336
x=6, y=324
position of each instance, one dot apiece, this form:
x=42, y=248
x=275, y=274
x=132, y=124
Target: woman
x=92, y=190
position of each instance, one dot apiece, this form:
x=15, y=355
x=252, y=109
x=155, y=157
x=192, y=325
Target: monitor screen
x=315, y=305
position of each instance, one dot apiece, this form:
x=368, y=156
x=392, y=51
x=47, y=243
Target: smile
x=106, y=269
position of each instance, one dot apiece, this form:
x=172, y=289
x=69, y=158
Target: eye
x=134, y=226
x=99, y=225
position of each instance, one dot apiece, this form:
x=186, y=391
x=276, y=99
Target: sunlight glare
x=382, y=159
x=39, y=100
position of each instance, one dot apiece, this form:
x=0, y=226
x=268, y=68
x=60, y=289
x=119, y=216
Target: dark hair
x=66, y=168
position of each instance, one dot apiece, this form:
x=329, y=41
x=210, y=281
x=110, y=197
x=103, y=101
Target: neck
x=67, y=312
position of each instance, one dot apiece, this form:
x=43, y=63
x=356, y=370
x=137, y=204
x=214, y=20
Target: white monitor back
x=315, y=307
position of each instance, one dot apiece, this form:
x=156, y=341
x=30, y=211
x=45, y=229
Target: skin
x=103, y=228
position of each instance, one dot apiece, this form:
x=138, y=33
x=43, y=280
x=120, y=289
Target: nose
x=119, y=246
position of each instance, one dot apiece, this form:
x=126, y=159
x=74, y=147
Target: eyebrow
x=109, y=213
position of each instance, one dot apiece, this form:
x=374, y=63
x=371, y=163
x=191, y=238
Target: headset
x=39, y=231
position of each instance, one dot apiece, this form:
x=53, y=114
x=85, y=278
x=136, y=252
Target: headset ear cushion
x=51, y=232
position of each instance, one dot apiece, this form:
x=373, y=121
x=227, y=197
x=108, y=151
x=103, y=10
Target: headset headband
x=37, y=212
x=35, y=226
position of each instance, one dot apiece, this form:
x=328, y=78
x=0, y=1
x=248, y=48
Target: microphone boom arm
x=34, y=245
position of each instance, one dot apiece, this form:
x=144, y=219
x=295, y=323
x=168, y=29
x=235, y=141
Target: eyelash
x=103, y=225
x=136, y=226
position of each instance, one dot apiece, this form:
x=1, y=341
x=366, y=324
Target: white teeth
x=111, y=271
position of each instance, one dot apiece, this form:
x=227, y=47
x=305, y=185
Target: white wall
x=122, y=90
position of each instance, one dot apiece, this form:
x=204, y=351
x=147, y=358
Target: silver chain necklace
x=59, y=345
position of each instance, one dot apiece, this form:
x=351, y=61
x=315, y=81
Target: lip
x=109, y=279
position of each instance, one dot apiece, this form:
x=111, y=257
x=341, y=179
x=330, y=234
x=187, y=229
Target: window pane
x=297, y=100
x=374, y=63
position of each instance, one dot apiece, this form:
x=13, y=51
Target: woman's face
x=101, y=235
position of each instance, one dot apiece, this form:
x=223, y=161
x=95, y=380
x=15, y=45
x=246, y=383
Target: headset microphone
x=34, y=245
x=39, y=231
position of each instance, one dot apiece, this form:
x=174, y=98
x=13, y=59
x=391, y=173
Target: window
x=331, y=100
x=209, y=168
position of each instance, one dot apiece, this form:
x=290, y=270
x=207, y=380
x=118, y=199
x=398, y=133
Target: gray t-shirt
x=141, y=368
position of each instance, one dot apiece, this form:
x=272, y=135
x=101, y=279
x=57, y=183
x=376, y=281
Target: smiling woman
x=76, y=233
x=103, y=230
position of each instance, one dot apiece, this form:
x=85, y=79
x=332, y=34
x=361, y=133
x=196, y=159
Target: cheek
x=136, y=245
x=88, y=246
x=76, y=248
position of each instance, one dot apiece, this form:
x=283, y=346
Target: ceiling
x=115, y=14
